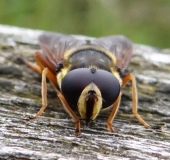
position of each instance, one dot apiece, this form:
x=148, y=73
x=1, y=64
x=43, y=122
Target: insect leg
x=38, y=68
x=113, y=113
x=131, y=78
x=44, y=96
x=42, y=63
x=71, y=113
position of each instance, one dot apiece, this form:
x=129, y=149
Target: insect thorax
x=90, y=58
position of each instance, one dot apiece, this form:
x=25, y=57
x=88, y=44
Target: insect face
x=90, y=102
x=90, y=89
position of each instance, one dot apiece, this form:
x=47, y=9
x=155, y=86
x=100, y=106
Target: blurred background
x=144, y=22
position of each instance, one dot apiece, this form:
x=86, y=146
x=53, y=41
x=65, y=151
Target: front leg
x=131, y=78
x=71, y=113
x=44, y=97
x=113, y=113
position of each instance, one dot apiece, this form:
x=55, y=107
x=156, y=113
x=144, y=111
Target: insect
x=88, y=74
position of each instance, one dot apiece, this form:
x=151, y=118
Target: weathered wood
x=50, y=137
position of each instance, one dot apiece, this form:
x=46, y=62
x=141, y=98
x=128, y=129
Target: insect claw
x=77, y=133
x=19, y=59
x=109, y=126
x=28, y=117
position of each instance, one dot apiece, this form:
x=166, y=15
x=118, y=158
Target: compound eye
x=76, y=80
x=73, y=84
x=109, y=87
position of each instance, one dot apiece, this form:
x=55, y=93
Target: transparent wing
x=54, y=46
x=120, y=46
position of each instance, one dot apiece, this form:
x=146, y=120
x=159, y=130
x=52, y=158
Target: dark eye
x=74, y=83
x=109, y=86
x=76, y=80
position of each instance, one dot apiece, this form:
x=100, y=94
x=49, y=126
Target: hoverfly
x=88, y=74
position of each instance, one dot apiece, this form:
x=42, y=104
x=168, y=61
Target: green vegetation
x=145, y=22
